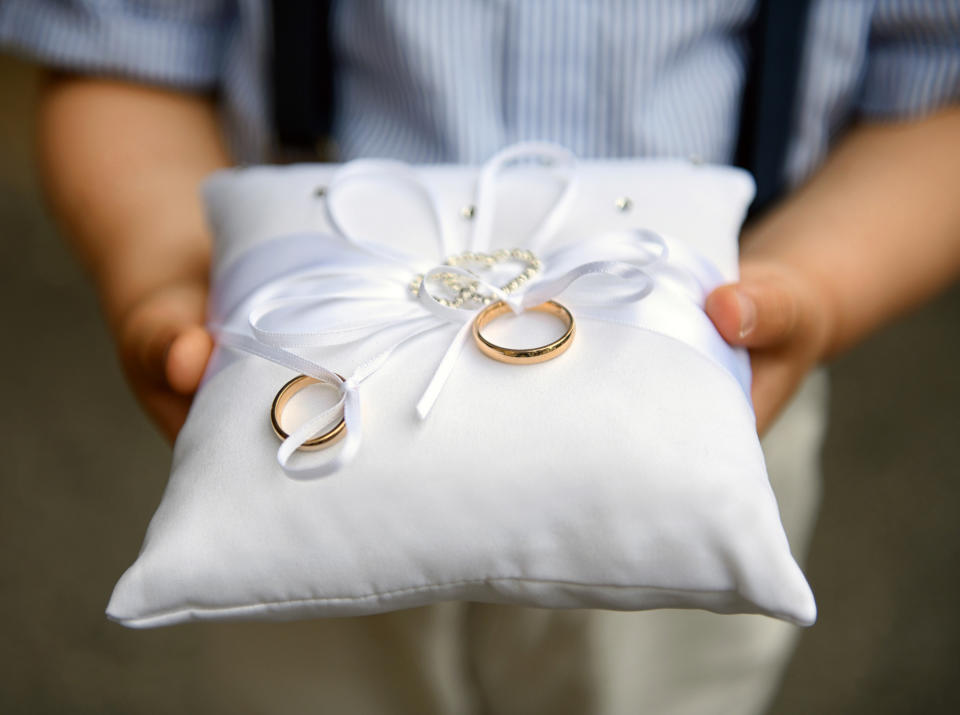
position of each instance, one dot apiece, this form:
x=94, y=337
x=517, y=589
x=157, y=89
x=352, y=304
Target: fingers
x=775, y=379
x=166, y=409
x=164, y=349
x=151, y=340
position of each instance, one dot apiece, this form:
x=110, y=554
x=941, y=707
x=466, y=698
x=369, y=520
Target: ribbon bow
x=318, y=290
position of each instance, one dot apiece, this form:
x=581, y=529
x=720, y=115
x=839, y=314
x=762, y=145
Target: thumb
x=757, y=312
x=165, y=341
x=186, y=359
x=172, y=353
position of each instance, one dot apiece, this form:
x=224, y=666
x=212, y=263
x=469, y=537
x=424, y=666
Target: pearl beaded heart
x=466, y=291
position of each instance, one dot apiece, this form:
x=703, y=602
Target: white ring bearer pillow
x=624, y=474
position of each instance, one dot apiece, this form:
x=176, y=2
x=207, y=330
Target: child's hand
x=873, y=233
x=122, y=164
x=164, y=349
x=783, y=319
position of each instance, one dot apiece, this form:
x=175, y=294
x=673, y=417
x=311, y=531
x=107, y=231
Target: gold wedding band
x=526, y=356
x=281, y=400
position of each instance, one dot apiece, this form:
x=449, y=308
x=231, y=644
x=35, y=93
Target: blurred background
x=83, y=471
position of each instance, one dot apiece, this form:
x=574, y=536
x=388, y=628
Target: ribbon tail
x=351, y=417
x=351, y=443
x=443, y=371
x=300, y=435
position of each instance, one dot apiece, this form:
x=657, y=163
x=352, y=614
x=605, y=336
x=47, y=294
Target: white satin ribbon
x=560, y=160
x=318, y=290
x=348, y=406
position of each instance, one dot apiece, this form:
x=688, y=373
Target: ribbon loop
x=391, y=171
x=544, y=154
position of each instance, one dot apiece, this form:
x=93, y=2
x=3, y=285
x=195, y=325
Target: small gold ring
x=526, y=356
x=281, y=400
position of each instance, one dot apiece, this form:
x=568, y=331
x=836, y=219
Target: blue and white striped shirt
x=452, y=81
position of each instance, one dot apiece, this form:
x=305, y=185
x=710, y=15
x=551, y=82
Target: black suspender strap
x=302, y=72
x=770, y=96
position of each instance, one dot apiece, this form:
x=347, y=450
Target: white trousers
x=479, y=658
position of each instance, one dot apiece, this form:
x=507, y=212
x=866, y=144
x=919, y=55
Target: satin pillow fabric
x=626, y=474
